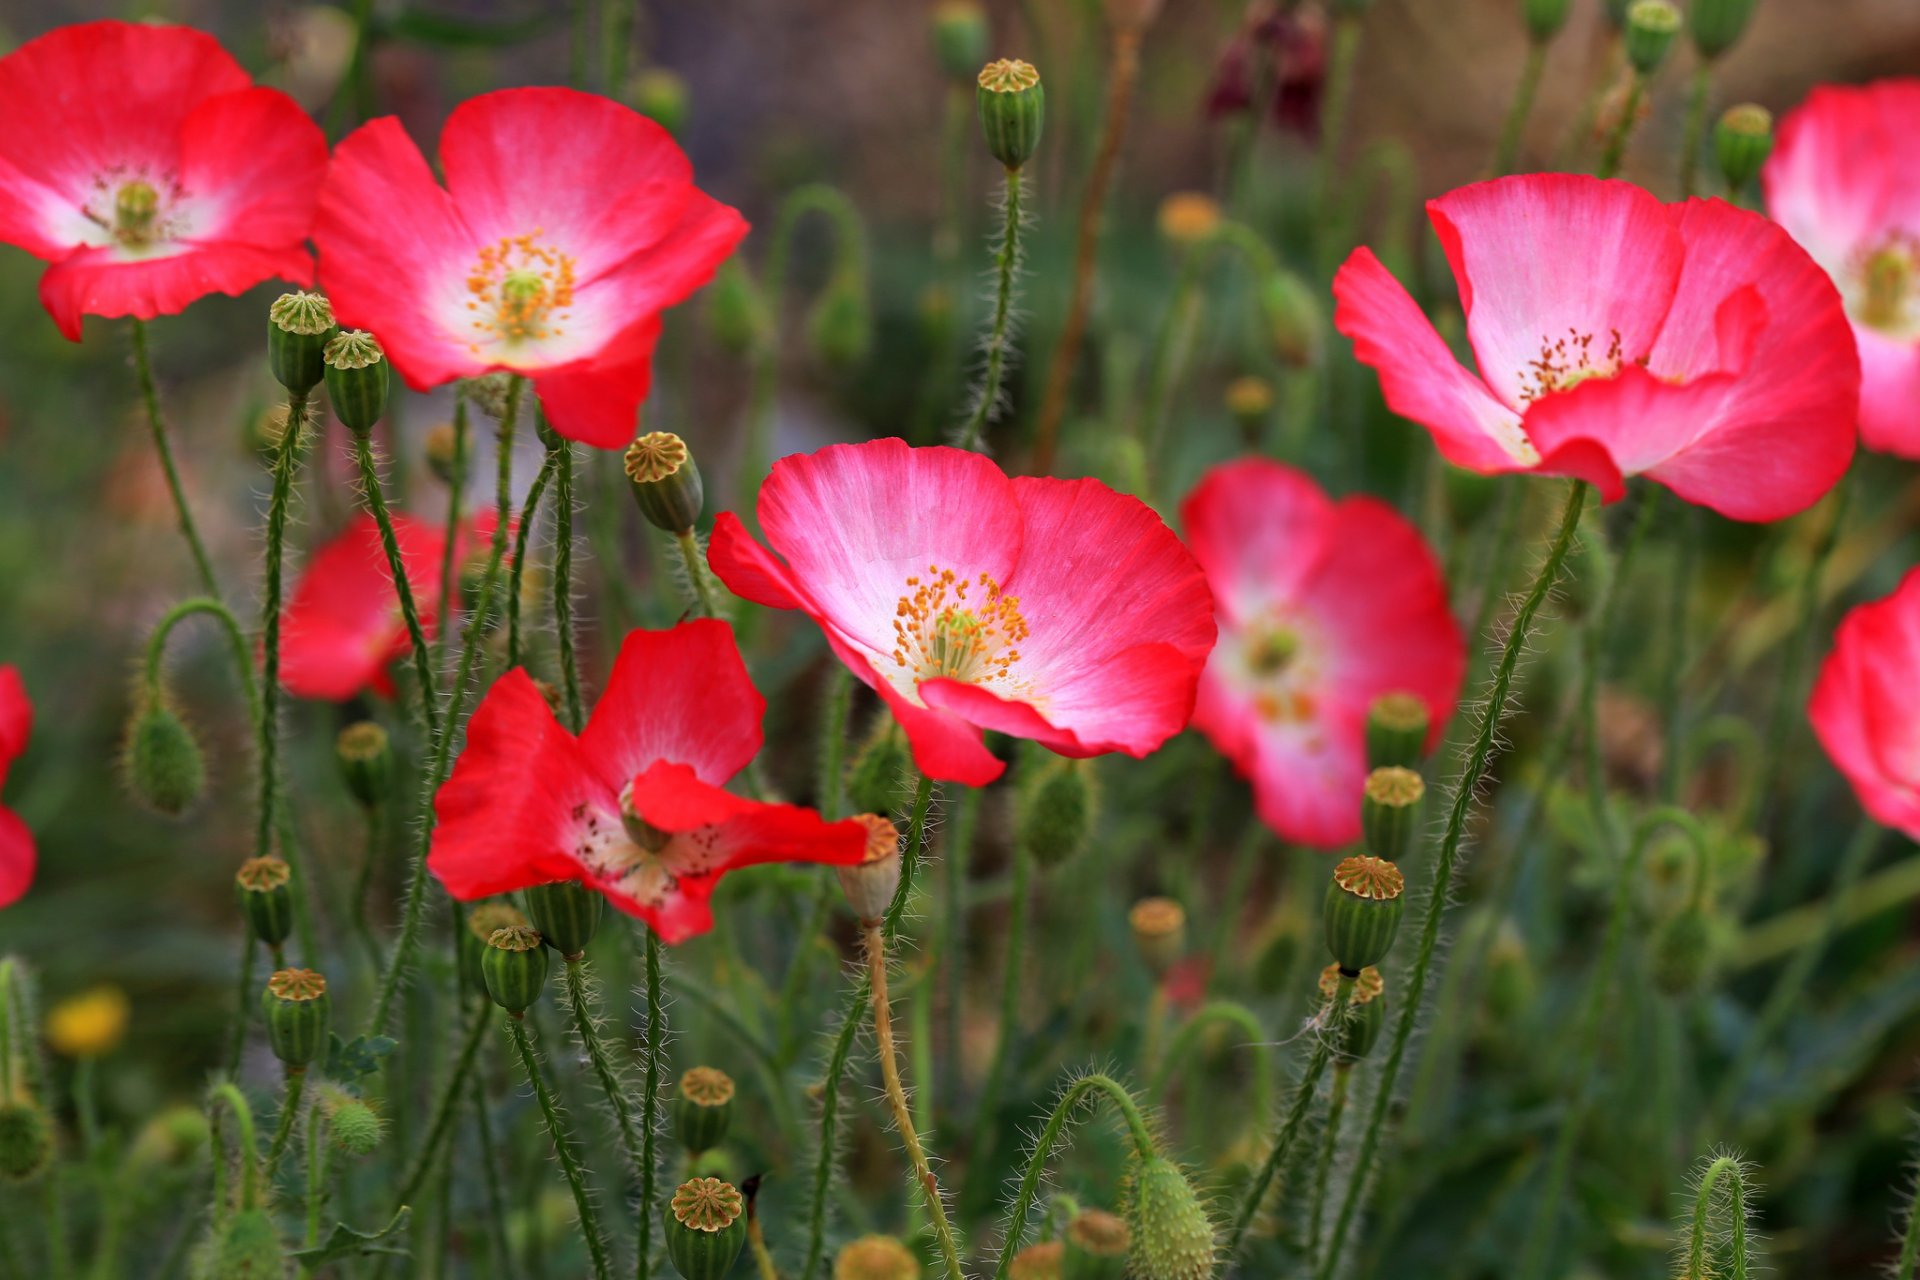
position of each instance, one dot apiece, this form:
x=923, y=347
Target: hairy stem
x=1725, y=1180
x=563, y=1150
x=1049, y=1138
x=1329, y=1147
x=695, y=563
x=156, y=425
x=374, y=491
x=1006, y=262
x=563, y=580
x=448, y=1104
x=650, y=1049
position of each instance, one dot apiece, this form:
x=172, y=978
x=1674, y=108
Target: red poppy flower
x=16, y=842
x=1844, y=180
x=633, y=807
x=1862, y=705
x=342, y=627
x=1616, y=336
x=567, y=224
x=149, y=170
x=1323, y=607
x=1056, y=610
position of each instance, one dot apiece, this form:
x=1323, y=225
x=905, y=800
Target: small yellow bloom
x=1189, y=217
x=90, y=1024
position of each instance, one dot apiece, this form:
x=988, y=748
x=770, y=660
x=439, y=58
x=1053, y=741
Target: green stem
x=1173, y=347
x=490, y=1165
x=289, y=1112
x=832, y=784
x=316, y=1174
x=563, y=581
x=1672, y=700
x=449, y=1103
x=1334, y=116
x=1701, y=1263
x=373, y=490
x=456, y=493
x=953, y=931
x=585, y=1022
x=1329, y=1146
x=913, y=852
x=230, y=625
x=1049, y=1138
x=246, y=1144
x=1695, y=132
x=286, y=462
x=563, y=1150
x=1006, y=261
x=1466, y=786
x=243, y=1013
x=1523, y=96
x=650, y=1049
x=1188, y=1038
x=852, y=1016
x=695, y=563
x=523, y=535
x=1616, y=149
x=156, y=425
x=363, y=883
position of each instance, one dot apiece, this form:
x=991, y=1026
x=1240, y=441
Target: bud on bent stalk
x=1366, y=1012
x=959, y=37
x=249, y=1245
x=1160, y=932
x=357, y=379
x=1742, y=141
x=299, y=1014
x=1716, y=25
x=299, y=327
x=840, y=325
x=1097, y=1245
x=515, y=968
x=1685, y=949
x=1363, y=909
x=483, y=921
x=1012, y=110
x=266, y=899
x=871, y=883
x=366, y=762
x=1397, y=728
x=706, y=1228
x=1651, y=27
x=1055, y=810
x=1172, y=1237
x=1390, y=811
x=1545, y=18
x=665, y=481
x=704, y=1110
x=876, y=1258
x=733, y=311
x=567, y=915
x=164, y=767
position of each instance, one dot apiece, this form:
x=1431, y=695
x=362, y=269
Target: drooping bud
x=299, y=1014
x=1038, y=1261
x=1012, y=110
x=704, y=1109
x=1366, y=1012
x=1054, y=809
x=1545, y=18
x=26, y=1139
x=442, y=450
x=1716, y=25
x=266, y=898
x=1397, y=728
x=1160, y=932
x=871, y=883
x=840, y=325
x=665, y=481
x=706, y=1228
x=355, y=1127
x=1296, y=322
x=357, y=379
x=1097, y=1244
x=733, y=309
x=1363, y=909
x=515, y=968
x=299, y=326
x=876, y=1258
x=366, y=762
x=89, y=1025
x=1390, y=811
x=874, y=778
x=1651, y=27
x=660, y=94
x=959, y=37
x=1250, y=400
x=1188, y=218
x=1742, y=141
x=483, y=921
x=247, y=1246
x=567, y=915
x=1172, y=1237
x=1685, y=949
x=164, y=768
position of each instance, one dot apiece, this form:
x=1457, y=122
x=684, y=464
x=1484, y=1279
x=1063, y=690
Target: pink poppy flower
x=1323, y=607
x=16, y=842
x=149, y=170
x=1844, y=180
x=1862, y=703
x=342, y=626
x=567, y=224
x=1616, y=336
x=1056, y=610
x=633, y=807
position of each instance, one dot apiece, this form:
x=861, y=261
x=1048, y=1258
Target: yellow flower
x=1189, y=217
x=88, y=1025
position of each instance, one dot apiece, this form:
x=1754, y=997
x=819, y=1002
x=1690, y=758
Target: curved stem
x=449, y=1103
x=1014, y=979
x=156, y=425
x=374, y=492
x=563, y=1150
x=913, y=851
x=1466, y=786
x=1523, y=96
x=522, y=535
x=1701, y=1264
x=1049, y=1138
x=246, y=1147
x=1187, y=1038
x=563, y=581
x=999, y=336
x=650, y=1107
x=230, y=625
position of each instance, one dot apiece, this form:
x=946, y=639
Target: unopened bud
x=660, y=94
x=1651, y=27
x=26, y=1139
x=706, y=1228
x=1390, y=811
x=443, y=452
x=567, y=915
x=366, y=762
x=515, y=968
x=665, y=481
x=299, y=326
x=266, y=898
x=1716, y=25
x=248, y=1245
x=1296, y=322
x=357, y=379
x=840, y=326
x=1188, y=218
x=1366, y=1012
x=874, y=780
x=1545, y=18
x=1054, y=810
x=299, y=1014
x=1362, y=913
x=484, y=919
x=704, y=1110
x=164, y=768
x=1685, y=949
x=1012, y=110
x=1040, y=1261
x=1172, y=1237
x=1397, y=728
x=871, y=883
x=1742, y=141
x=170, y=1140
x=355, y=1127
x=959, y=37
x=1160, y=932
x=1097, y=1244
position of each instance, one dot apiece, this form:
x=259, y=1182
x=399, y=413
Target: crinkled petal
x=99, y=282
x=681, y=695
x=1859, y=700
x=342, y=625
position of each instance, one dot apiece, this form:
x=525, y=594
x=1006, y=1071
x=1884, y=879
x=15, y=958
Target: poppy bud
x=1172, y=1237
x=483, y=921
x=515, y=968
x=1742, y=141
x=1188, y=218
x=1397, y=728
x=871, y=883
x=442, y=446
x=840, y=326
x=959, y=37
x=1651, y=27
x=1037, y=1261
x=704, y=1109
x=1054, y=810
x=366, y=762
x=355, y=1127
x=1250, y=400
x=26, y=1139
x=1545, y=18
x=247, y=1246
x=1012, y=110
x=1685, y=947
x=1295, y=320
x=874, y=779
x=1160, y=932
x=659, y=94
x=1366, y=1012
x=299, y=1015
x=357, y=379
x=1363, y=910
x=665, y=481
x=299, y=326
x=1097, y=1243
x=164, y=768
x=266, y=899
x=1717, y=24
x=1390, y=811
x=706, y=1228
x=733, y=309
x=566, y=914
x=876, y=1258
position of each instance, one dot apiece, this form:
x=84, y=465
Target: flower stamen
x=939, y=633
x=520, y=291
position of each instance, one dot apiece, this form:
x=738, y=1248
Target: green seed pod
x=1296, y=322
x=164, y=768
x=706, y=1228
x=356, y=1128
x=441, y=447
x=959, y=37
x=871, y=883
x=840, y=326
x=26, y=1140
x=876, y=1258
x=733, y=308
x=299, y=1015
x=266, y=898
x=366, y=762
x=1054, y=809
x=299, y=325
x=1390, y=811
x=1685, y=949
x=1716, y=25
x=1742, y=141
x=248, y=1247
x=1097, y=1244
x=1012, y=110
x=1172, y=1237
x=874, y=778
x=1651, y=27
x=1041, y=1261
x=1366, y=1012
x=660, y=94
x=357, y=379
x=1397, y=728
x=567, y=915
x=665, y=481
x=483, y=921
x=1545, y=18
x=704, y=1109
x=1363, y=910
x=515, y=967
x=1159, y=928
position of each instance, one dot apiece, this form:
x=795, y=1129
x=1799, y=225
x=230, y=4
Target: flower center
x=1272, y=650
x=1886, y=298
x=1566, y=362
x=634, y=857
x=939, y=633
x=136, y=211
x=1280, y=667
x=520, y=291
